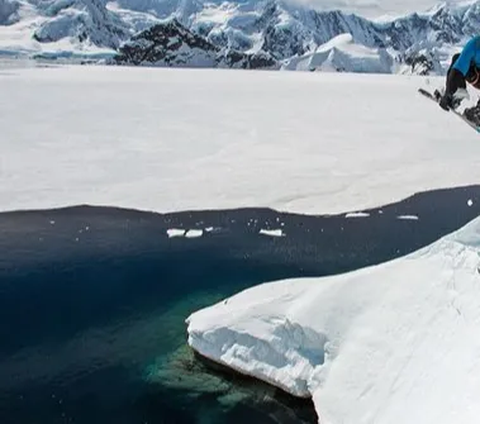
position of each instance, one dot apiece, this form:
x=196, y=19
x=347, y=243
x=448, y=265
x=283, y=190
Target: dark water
x=93, y=302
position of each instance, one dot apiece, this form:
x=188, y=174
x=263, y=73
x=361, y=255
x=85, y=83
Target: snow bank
x=386, y=344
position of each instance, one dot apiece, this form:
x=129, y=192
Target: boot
x=457, y=98
x=473, y=113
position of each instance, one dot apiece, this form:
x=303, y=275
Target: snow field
x=172, y=140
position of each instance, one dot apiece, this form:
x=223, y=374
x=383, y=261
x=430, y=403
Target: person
x=464, y=68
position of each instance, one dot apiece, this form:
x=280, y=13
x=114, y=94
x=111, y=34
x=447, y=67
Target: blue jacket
x=470, y=54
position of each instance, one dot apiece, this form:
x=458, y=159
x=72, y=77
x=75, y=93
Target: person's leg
x=460, y=83
x=473, y=78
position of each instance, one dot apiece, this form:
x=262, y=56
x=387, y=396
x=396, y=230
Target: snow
x=218, y=14
x=17, y=39
x=84, y=30
x=342, y=53
x=172, y=140
x=367, y=344
x=137, y=20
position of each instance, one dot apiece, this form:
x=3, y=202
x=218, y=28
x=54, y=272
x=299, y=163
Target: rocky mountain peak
x=172, y=44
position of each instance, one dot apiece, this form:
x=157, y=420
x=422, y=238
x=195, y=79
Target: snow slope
x=170, y=140
x=394, y=343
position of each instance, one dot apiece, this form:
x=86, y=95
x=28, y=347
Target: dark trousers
x=459, y=82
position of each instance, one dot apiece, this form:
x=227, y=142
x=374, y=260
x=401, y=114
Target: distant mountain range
x=244, y=34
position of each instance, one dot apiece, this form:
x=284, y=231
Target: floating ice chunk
x=178, y=232
x=175, y=232
x=357, y=215
x=408, y=217
x=194, y=233
x=470, y=202
x=213, y=229
x=273, y=233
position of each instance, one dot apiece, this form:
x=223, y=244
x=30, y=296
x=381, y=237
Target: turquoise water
x=93, y=303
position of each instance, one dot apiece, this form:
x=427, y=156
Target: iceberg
x=385, y=344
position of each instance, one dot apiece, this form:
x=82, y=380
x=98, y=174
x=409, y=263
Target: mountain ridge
x=285, y=32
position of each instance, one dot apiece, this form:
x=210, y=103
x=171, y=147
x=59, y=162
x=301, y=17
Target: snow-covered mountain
x=343, y=54
x=87, y=21
x=296, y=36
x=171, y=44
